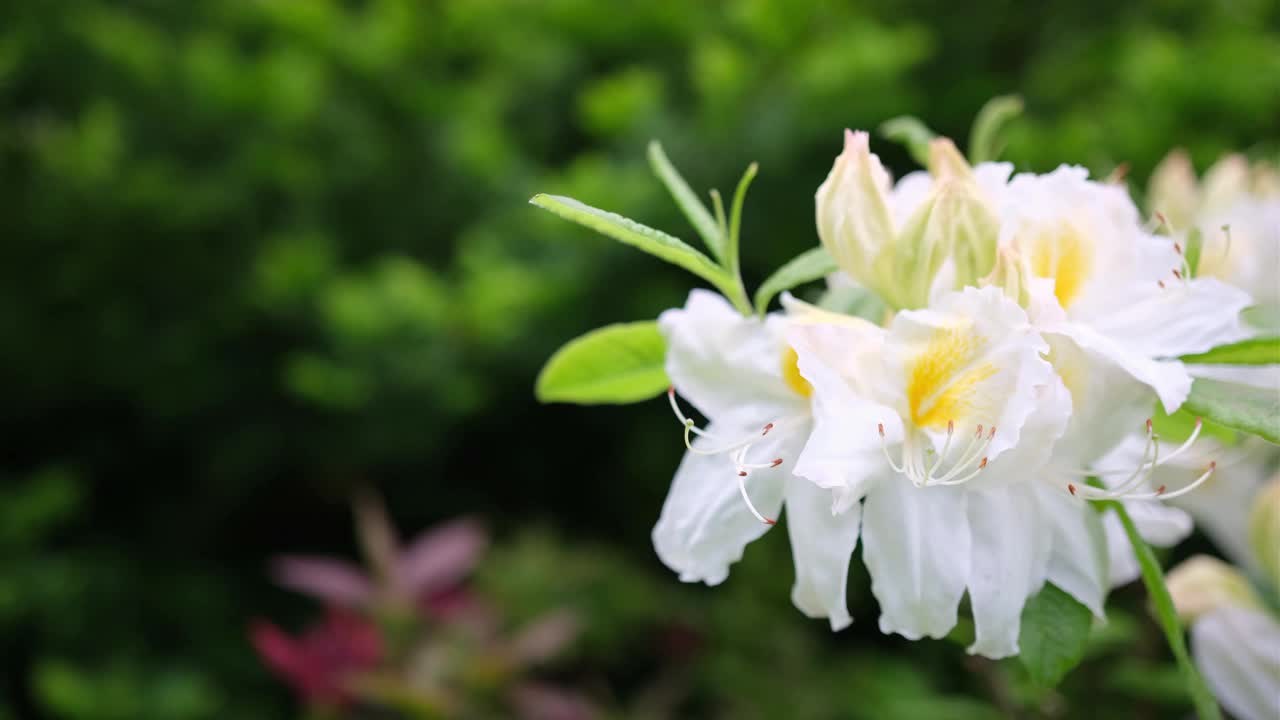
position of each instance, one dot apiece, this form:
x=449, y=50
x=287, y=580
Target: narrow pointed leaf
x=985, y=141
x=687, y=199
x=1255, y=351
x=615, y=364
x=627, y=231
x=912, y=134
x=1053, y=636
x=733, y=260
x=806, y=267
x=1242, y=407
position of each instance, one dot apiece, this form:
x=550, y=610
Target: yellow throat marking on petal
x=942, y=379
x=1064, y=254
x=791, y=373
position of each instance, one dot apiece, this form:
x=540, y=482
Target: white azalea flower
x=741, y=375
x=1235, y=637
x=942, y=422
x=1236, y=208
x=1117, y=292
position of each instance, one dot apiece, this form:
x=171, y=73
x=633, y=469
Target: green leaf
x=1195, y=246
x=912, y=134
x=735, y=218
x=985, y=144
x=615, y=364
x=1263, y=317
x=805, y=267
x=687, y=199
x=1242, y=407
x=1178, y=427
x=1054, y=635
x=655, y=242
x=1162, y=602
x=1255, y=351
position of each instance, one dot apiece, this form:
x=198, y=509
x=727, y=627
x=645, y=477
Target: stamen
x=740, y=460
x=1151, y=459
x=921, y=464
x=737, y=450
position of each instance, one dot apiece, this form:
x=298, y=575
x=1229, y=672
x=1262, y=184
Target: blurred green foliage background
x=257, y=252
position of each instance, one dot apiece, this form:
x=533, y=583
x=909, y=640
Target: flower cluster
x=1033, y=323
x=1012, y=385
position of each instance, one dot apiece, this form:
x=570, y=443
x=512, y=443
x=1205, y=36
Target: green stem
x=1153, y=578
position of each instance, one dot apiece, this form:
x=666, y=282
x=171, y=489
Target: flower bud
x=946, y=162
x=1173, y=191
x=854, y=222
x=1203, y=584
x=1264, y=530
x=1012, y=274
x=953, y=234
x=948, y=241
x=1225, y=183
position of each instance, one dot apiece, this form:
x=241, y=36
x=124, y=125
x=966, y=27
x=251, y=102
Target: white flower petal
x=822, y=544
x=1157, y=523
x=1078, y=561
x=1184, y=317
x=1168, y=378
x=844, y=451
x=1266, y=377
x=1010, y=555
x=916, y=547
x=717, y=359
x=705, y=524
x=1108, y=406
x=972, y=359
x=1122, y=563
x=1238, y=651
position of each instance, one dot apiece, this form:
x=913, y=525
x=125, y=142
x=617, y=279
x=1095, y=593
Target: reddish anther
x=982, y=464
x=1072, y=488
x=776, y=462
x=766, y=430
x=742, y=473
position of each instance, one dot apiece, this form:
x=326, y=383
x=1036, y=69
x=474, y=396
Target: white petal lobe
x=916, y=547
x=822, y=544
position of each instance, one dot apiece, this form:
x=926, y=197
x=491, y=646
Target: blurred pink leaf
x=543, y=638
x=441, y=557
x=318, y=663
x=333, y=581
x=534, y=701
